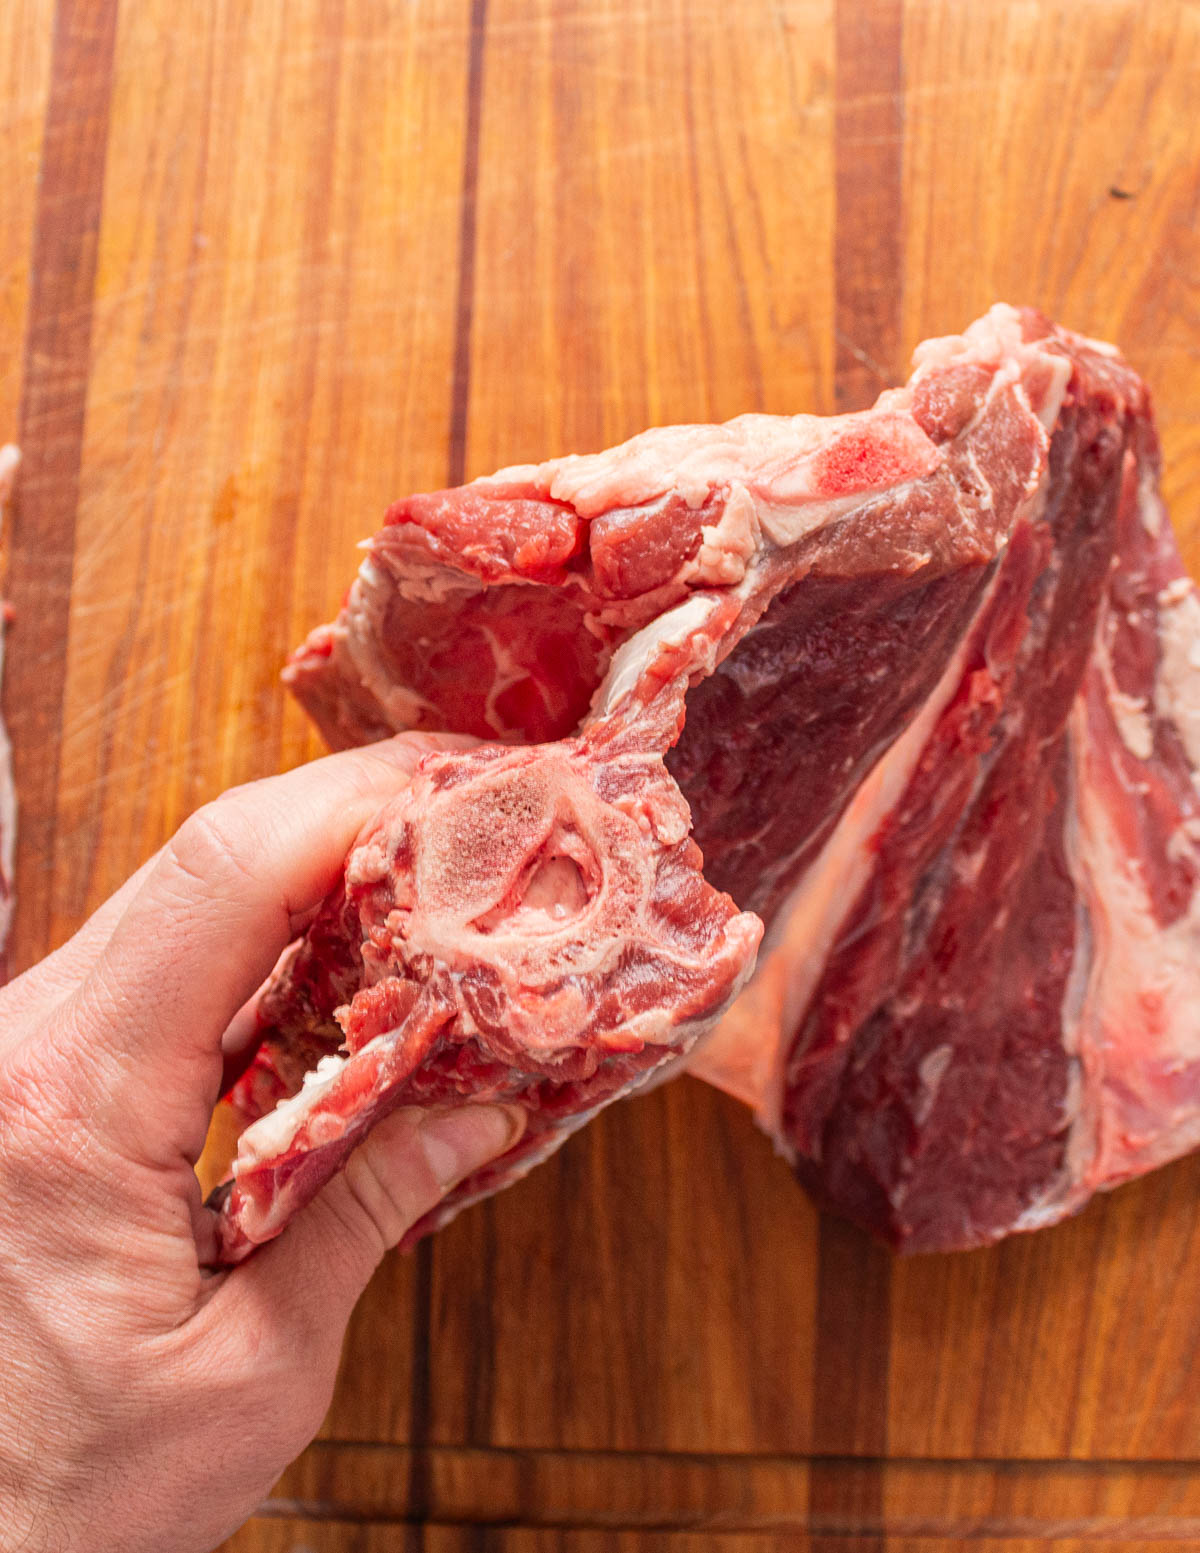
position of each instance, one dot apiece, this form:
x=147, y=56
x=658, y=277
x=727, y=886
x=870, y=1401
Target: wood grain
x=1051, y=157
x=631, y=267
x=50, y=431
x=26, y=48
x=870, y=101
x=266, y=268
x=289, y=1534
x=293, y=1535
x=1019, y=123
x=271, y=360
x=852, y=1334
x=723, y=1493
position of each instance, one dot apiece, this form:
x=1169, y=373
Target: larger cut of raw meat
x=926, y=682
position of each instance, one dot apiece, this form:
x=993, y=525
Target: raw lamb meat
x=527, y=925
x=925, y=679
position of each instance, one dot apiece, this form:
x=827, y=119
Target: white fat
x=1177, y=685
x=1078, y=1097
x=508, y=673
x=423, y=582
x=1131, y=714
x=508, y=476
x=728, y=546
x=1047, y=1210
x=1132, y=717
x=787, y=523
x=995, y=340
x=772, y=456
x=633, y=657
x=272, y=1134
x=1150, y=504
x=1131, y=1010
x=10, y=459
x=990, y=338
x=328, y=1067
x=362, y=632
x=1060, y=376
x=403, y=707
x=1136, y=1035
x=1175, y=592
x=931, y=1070
x=748, y=1051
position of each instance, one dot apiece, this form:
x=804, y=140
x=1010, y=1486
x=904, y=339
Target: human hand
x=146, y=1405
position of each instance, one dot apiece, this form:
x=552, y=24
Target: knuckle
x=390, y=1195
x=215, y=848
x=213, y=841
x=348, y=1222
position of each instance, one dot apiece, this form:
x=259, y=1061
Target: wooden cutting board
x=267, y=266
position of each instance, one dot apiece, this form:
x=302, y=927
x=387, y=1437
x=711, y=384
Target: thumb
x=307, y=1282
x=404, y=1169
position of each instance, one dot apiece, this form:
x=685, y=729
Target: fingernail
x=458, y=1142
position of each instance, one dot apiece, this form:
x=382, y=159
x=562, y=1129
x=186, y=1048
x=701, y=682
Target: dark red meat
x=925, y=682
x=527, y=925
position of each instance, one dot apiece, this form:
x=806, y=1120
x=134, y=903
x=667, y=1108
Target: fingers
x=211, y=918
x=306, y=1283
x=243, y=1035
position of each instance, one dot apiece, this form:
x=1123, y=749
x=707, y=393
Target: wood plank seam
x=611, y=1491
x=1185, y=1530
x=461, y=385
x=737, y=1458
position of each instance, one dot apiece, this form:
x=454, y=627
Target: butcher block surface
x=266, y=267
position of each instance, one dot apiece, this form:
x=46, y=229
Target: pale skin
x=145, y=1404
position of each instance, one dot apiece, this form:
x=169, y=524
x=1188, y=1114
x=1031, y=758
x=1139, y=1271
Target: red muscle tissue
x=917, y=691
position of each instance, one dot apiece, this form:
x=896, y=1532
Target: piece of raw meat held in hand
x=527, y=925
x=934, y=679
